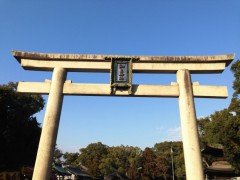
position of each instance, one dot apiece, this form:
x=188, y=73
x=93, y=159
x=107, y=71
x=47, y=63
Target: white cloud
x=201, y=117
x=174, y=134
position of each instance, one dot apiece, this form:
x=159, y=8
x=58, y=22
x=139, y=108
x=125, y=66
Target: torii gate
x=183, y=89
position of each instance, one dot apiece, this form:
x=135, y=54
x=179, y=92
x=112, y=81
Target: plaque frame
x=121, y=75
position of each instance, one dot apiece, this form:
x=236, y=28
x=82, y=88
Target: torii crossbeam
x=183, y=89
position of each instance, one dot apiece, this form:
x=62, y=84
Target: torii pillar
x=47, y=143
x=184, y=89
x=192, y=154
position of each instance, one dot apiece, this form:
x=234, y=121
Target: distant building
x=60, y=172
x=220, y=169
x=69, y=173
x=77, y=174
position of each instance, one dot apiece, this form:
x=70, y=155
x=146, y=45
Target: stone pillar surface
x=43, y=163
x=191, y=147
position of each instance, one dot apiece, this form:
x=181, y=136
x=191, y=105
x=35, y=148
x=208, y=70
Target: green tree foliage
x=91, y=157
x=58, y=154
x=223, y=128
x=152, y=163
x=19, y=129
x=134, y=162
x=124, y=159
x=164, y=151
x=71, y=159
x=235, y=102
x=115, y=160
x=149, y=164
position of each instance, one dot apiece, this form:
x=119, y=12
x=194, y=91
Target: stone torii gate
x=183, y=89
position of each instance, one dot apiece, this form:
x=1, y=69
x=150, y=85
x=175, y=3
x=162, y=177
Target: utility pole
x=172, y=163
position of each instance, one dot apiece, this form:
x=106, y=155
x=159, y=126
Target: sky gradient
x=123, y=27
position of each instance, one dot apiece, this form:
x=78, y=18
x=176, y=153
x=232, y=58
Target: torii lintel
x=141, y=64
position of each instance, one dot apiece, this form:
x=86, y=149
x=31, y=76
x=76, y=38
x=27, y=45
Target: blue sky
x=143, y=27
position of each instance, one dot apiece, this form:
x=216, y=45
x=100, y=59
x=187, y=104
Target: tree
x=91, y=157
x=19, y=129
x=134, y=162
x=114, y=161
x=223, y=127
x=58, y=154
x=149, y=164
x=235, y=102
x=163, y=152
x=123, y=159
x=71, y=159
